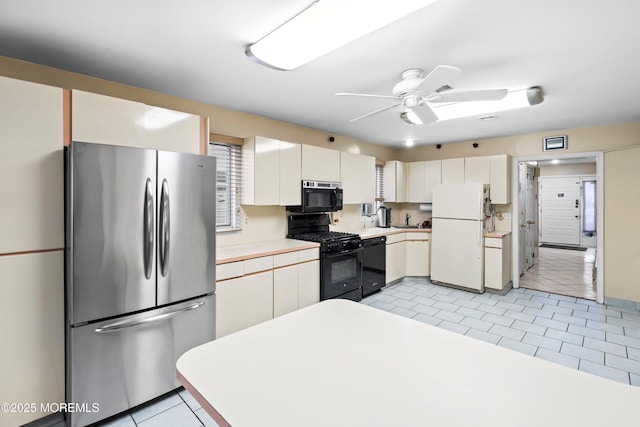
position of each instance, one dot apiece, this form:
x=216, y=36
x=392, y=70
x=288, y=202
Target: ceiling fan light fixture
x=410, y=117
x=324, y=26
x=514, y=100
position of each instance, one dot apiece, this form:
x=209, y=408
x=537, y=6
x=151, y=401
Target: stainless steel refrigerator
x=139, y=273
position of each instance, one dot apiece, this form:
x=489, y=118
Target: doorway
x=552, y=266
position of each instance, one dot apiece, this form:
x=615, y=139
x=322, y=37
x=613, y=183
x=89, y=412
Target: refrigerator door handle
x=118, y=326
x=165, y=230
x=149, y=229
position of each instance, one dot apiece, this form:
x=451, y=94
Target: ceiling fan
x=415, y=92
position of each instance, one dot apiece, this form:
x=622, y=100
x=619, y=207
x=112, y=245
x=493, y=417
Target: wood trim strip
x=264, y=254
x=66, y=117
x=204, y=132
x=32, y=252
x=380, y=162
x=219, y=419
x=226, y=139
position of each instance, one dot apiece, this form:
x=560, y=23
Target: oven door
x=341, y=275
x=321, y=200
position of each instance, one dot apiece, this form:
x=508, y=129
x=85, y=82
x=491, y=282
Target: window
x=228, y=172
x=379, y=196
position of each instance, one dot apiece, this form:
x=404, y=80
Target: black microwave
x=319, y=196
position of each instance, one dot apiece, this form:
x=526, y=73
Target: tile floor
x=600, y=339
x=562, y=271
x=578, y=333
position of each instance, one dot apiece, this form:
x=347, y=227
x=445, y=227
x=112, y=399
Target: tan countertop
x=497, y=234
x=368, y=233
x=246, y=251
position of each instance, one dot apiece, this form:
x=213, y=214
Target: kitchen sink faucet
x=406, y=219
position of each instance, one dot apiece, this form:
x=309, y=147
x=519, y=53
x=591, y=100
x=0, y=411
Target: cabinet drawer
x=492, y=242
x=287, y=258
x=417, y=236
x=255, y=265
x=308, y=254
x=395, y=238
x=229, y=270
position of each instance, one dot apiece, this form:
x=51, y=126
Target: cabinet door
x=416, y=182
x=453, y=171
x=417, y=258
x=266, y=173
x=308, y=283
x=285, y=290
x=290, y=174
x=171, y=130
x=358, y=176
x=31, y=167
x=32, y=306
x=395, y=181
x=243, y=302
x=500, y=179
x=432, y=176
x=395, y=262
x=493, y=268
x=477, y=169
x=107, y=120
x=320, y=163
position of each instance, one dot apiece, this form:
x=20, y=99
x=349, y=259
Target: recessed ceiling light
x=409, y=142
x=324, y=26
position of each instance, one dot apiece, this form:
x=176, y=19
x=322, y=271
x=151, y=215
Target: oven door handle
x=345, y=252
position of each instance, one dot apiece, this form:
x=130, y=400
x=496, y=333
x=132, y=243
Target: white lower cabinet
x=417, y=258
x=285, y=290
x=308, y=283
x=396, y=260
x=243, y=302
x=497, y=262
x=32, y=358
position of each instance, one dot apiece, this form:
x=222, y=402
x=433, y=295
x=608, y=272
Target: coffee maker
x=384, y=217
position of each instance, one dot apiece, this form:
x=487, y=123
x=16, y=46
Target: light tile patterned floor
x=562, y=271
x=578, y=333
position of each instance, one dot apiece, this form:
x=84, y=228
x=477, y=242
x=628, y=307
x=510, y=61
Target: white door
x=560, y=210
x=457, y=252
x=531, y=218
x=522, y=168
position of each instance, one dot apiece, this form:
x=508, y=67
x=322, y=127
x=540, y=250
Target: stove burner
x=324, y=236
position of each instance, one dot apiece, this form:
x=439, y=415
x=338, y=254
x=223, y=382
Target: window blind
x=379, y=182
x=228, y=185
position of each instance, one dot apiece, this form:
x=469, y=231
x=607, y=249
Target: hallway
x=562, y=271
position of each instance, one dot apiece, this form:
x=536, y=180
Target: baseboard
x=48, y=421
x=622, y=303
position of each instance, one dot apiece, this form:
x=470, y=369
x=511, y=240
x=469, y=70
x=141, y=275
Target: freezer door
x=186, y=226
x=124, y=362
x=458, y=201
x=457, y=253
x=110, y=250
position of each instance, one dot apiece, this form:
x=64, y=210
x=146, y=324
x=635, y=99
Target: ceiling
x=582, y=53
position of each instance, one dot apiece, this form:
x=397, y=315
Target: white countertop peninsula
x=340, y=363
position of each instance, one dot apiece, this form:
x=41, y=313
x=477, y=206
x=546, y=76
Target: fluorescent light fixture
x=410, y=117
x=555, y=161
x=409, y=142
x=514, y=99
x=326, y=25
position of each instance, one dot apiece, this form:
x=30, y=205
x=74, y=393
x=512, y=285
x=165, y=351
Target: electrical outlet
x=506, y=215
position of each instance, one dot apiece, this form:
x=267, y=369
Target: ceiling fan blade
x=389, y=107
x=426, y=114
x=440, y=76
x=366, y=95
x=468, y=95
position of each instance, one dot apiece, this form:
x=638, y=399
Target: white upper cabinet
x=358, y=176
x=107, y=120
x=453, y=171
x=270, y=172
x=500, y=181
x=320, y=164
x=432, y=175
x=416, y=174
x=477, y=169
x=31, y=167
x=395, y=181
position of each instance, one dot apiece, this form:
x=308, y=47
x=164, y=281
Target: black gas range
x=340, y=255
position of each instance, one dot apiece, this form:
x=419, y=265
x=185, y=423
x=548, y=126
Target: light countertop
x=340, y=363
x=246, y=251
x=367, y=233
x=497, y=234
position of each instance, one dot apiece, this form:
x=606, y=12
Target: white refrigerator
x=457, y=235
